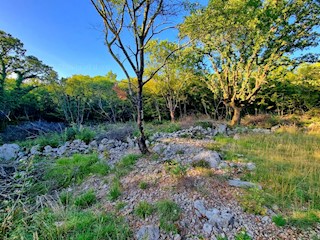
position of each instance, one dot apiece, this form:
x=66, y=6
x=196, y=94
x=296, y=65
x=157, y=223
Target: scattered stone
x=243, y=184
x=210, y=156
x=207, y=228
x=149, y=232
x=9, y=151
x=251, y=166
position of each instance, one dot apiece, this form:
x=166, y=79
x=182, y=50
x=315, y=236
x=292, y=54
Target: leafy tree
x=14, y=64
x=129, y=26
x=171, y=81
x=245, y=40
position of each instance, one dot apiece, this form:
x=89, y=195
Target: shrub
x=85, y=135
x=85, y=200
x=242, y=236
x=115, y=190
x=200, y=164
x=279, y=220
x=144, y=209
x=143, y=185
x=175, y=168
x=253, y=202
x=169, y=212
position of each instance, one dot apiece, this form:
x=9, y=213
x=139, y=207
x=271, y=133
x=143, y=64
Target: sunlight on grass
x=288, y=167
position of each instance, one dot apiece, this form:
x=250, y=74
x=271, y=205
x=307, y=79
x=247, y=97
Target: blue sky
x=64, y=34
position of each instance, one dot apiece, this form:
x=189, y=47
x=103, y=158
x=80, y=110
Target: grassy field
x=288, y=168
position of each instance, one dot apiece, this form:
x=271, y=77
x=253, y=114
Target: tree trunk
x=172, y=115
x=142, y=139
x=236, y=118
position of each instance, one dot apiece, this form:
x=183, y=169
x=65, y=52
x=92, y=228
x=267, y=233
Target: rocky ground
x=209, y=201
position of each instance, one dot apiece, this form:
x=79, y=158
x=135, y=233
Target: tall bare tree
x=128, y=27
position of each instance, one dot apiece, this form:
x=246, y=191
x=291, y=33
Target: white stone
x=149, y=232
x=9, y=151
x=210, y=156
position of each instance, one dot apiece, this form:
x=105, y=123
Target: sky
x=64, y=34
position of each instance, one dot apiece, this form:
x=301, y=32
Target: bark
x=172, y=115
x=236, y=118
x=142, y=139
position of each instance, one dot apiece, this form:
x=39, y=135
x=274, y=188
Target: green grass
x=175, y=168
x=169, y=212
x=279, y=220
x=86, y=199
x=65, y=171
x=143, y=209
x=288, y=167
x=115, y=190
x=143, y=185
x=69, y=224
x=125, y=165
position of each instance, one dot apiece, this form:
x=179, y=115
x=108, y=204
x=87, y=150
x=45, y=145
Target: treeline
x=31, y=90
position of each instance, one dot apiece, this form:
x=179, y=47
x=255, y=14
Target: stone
x=222, y=220
x=149, y=232
x=211, y=213
x=210, y=156
x=9, y=151
x=221, y=129
x=207, y=228
x=61, y=150
x=243, y=184
x=236, y=136
x=35, y=150
x=200, y=208
x=251, y=166
x=177, y=237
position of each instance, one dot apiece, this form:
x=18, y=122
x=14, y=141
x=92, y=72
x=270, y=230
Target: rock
x=61, y=150
x=35, y=150
x=210, y=156
x=251, y=166
x=207, y=228
x=275, y=128
x=177, y=237
x=9, y=151
x=211, y=213
x=93, y=145
x=149, y=232
x=223, y=165
x=47, y=149
x=222, y=220
x=261, y=130
x=221, y=129
x=200, y=208
x=243, y=184
x=236, y=136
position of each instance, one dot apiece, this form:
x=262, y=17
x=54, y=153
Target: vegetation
x=169, y=212
x=287, y=167
x=144, y=209
x=86, y=199
x=175, y=168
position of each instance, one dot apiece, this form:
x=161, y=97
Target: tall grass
x=288, y=167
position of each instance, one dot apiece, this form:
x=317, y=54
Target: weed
x=120, y=205
x=65, y=197
x=86, y=135
x=143, y=185
x=169, y=212
x=253, y=202
x=175, y=168
x=144, y=209
x=242, y=236
x=65, y=171
x=115, y=190
x=86, y=200
x=279, y=220
x=125, y=165
x=200, y=164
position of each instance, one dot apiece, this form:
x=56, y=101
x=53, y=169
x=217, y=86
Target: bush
x=279, y=220
x=253, y=202
x=169, y=212
x=175, y=168
x=144, y=209
x=143, y=185
x=86, y=200
x=115, y=190
x=86, y=135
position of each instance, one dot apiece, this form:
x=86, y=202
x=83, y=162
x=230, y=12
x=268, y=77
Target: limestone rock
x=149, y=232
x=9, y=151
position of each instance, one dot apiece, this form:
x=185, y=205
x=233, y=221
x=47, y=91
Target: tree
x=171, y=81
x=129, y=26
x=14, y=64
x=245, y=40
